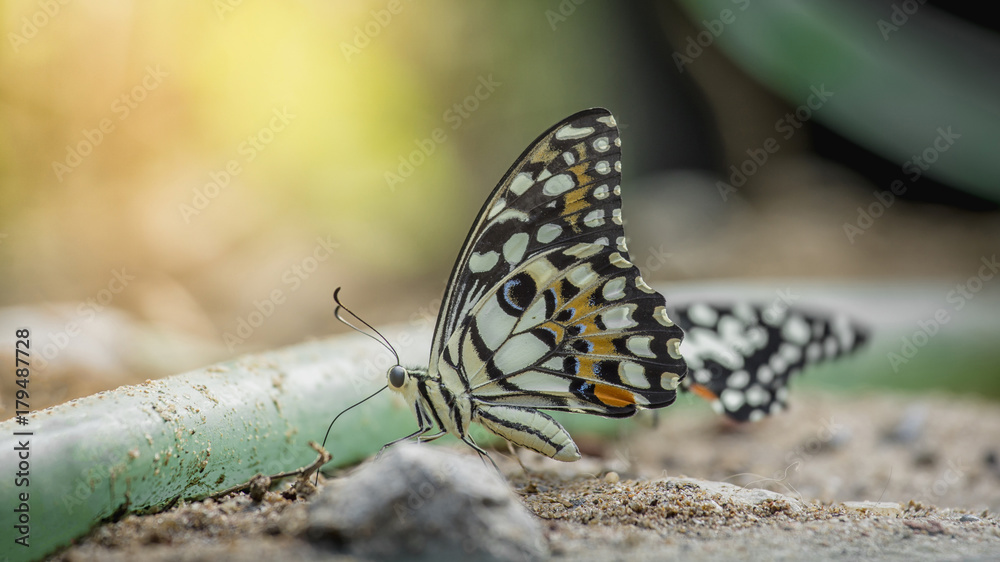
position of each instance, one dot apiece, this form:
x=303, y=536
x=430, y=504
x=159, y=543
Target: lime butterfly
x=545, y=311
x=740, y=357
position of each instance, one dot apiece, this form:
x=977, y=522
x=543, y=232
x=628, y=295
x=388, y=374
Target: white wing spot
x=601, y=144
x=608, y=120
x=594, y=218
x=756, y=415
x=521, y=183
x=617, y=190
x=674, y=347
x=512, y=214
x=583, y=250
x=703, y=314
x=765, y=374
x=616, y=216
x=640, y=284
x=732, y=399
x=796, y=330
x=582, y=276
x=618, y=166
x=619, y=260
x=633, y=374
x=479, y=263
x=779, y=364
x=513, y=249
x=603, y=167
x=669, y=381
x=497, y=207
x=738, y=379
x=558, y=184
x=641, y=346
x=602, y=191
x=790, y=352
x=619, y=317
x=548, y=233
x=703, y=376
x=569, y=158
x=756, y=396
x=660, y=315
x=570, y=132
x=614, y=289
x=602, y=241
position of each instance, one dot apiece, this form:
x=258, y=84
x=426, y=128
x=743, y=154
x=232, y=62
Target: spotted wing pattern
x=544, y=310
x=563, y=190
x=741, y=357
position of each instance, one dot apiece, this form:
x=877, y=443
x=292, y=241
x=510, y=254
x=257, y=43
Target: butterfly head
x=397, y=377
x=405, y=379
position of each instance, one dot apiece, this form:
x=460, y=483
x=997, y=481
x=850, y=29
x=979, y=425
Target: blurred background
x=185, y=182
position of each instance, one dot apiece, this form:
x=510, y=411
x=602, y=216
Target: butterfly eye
x=397, y=376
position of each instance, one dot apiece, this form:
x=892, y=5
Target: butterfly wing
x=741, y=357
x=563, y=189
x=544, y=309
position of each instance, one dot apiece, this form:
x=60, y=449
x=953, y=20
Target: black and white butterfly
x=545, y=311
x=741, y=357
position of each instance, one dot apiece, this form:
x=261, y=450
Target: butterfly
x=741, y=357
x=545, y=311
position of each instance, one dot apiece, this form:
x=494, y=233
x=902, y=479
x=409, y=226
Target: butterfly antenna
x=327, y=436
x=381, y=339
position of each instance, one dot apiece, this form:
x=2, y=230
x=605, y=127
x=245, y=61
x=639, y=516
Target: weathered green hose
x=141, y=447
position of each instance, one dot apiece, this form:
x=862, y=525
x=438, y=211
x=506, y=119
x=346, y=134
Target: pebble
x=424, y=503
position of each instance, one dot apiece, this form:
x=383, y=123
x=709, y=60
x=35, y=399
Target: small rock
x=259, y=485
x=425, y=503
x=612, y=477
x=968, y=518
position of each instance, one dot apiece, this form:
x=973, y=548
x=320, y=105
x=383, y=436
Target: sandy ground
x=691, y=486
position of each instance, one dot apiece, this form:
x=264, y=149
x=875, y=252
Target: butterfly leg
x=482, y=453
x=428, y=439
x=416, y=434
